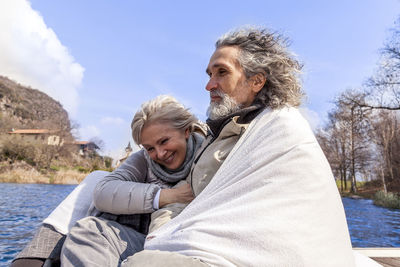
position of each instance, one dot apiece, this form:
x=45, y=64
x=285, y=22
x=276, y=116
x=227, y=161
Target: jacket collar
x=246, y=115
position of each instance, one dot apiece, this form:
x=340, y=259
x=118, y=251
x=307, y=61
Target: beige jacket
x=209, y=158
x=213, y=153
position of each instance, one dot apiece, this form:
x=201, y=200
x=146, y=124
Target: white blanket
x=76, y=205
x=273, y=202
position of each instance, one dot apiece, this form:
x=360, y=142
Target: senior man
x=265, y=194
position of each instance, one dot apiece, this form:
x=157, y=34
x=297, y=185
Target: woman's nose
x=160, y=152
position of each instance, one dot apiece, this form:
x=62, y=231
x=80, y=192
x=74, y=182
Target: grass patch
x=389, y=200
x=68, y=177
x=348, y=183
x=82, y=169
x=55, y=168
x=23, y=176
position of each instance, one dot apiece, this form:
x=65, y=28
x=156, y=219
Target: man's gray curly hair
x=261, y=51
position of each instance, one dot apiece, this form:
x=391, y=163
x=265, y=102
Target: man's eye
x=221, y=72
x=150, y=149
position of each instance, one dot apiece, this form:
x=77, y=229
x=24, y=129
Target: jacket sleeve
x=125, y=191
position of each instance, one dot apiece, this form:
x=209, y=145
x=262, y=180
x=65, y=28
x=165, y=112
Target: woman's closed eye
x=164, y=141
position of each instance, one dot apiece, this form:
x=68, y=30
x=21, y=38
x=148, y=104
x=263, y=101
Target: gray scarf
x=172, y=176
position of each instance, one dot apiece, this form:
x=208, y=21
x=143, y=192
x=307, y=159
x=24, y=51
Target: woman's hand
x=181, y=194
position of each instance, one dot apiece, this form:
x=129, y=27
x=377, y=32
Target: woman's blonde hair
x=164, y=109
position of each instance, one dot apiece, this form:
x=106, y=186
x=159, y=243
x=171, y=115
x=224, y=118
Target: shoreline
x=32, y=176
x=379, y=199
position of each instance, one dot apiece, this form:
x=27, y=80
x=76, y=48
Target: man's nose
x=211, y=85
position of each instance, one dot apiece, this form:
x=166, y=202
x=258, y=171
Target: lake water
x=24, y=206
x=370, y=225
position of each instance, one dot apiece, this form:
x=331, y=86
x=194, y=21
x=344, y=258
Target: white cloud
x=311, y=116
x=112, y=120
x=31, y=54
x=88, y=132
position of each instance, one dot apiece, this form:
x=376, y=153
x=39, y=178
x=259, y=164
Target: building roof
x=31, y=131
x=81, y=142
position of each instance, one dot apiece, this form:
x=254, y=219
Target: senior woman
x=124, y=199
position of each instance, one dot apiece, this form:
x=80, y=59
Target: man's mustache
x=217, y=92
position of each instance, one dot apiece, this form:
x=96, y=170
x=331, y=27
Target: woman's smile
x=169, y=159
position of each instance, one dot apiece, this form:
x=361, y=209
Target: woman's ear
x=257, y=82
x=187, y=133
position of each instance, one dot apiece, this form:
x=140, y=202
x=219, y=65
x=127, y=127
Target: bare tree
x=346, y=141
x=362, y=136
x=334, y=142
x=99, y=142
x=357, y=122
x=74, y=129
x=385, y=128
x=383, y=88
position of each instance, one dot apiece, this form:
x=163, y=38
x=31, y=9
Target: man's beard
x=226, y=106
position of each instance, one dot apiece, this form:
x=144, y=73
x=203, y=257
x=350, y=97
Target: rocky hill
x=23, y=107
x=28, y=159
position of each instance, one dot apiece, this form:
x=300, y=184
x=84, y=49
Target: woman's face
x=164, y=144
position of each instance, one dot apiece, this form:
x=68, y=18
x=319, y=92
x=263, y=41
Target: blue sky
x=101, y=59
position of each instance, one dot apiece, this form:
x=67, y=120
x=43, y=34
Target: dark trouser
x=45, y=247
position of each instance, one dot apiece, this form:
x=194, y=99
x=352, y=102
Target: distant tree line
x=362, y=135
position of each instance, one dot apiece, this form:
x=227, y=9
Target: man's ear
x=257, y=82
